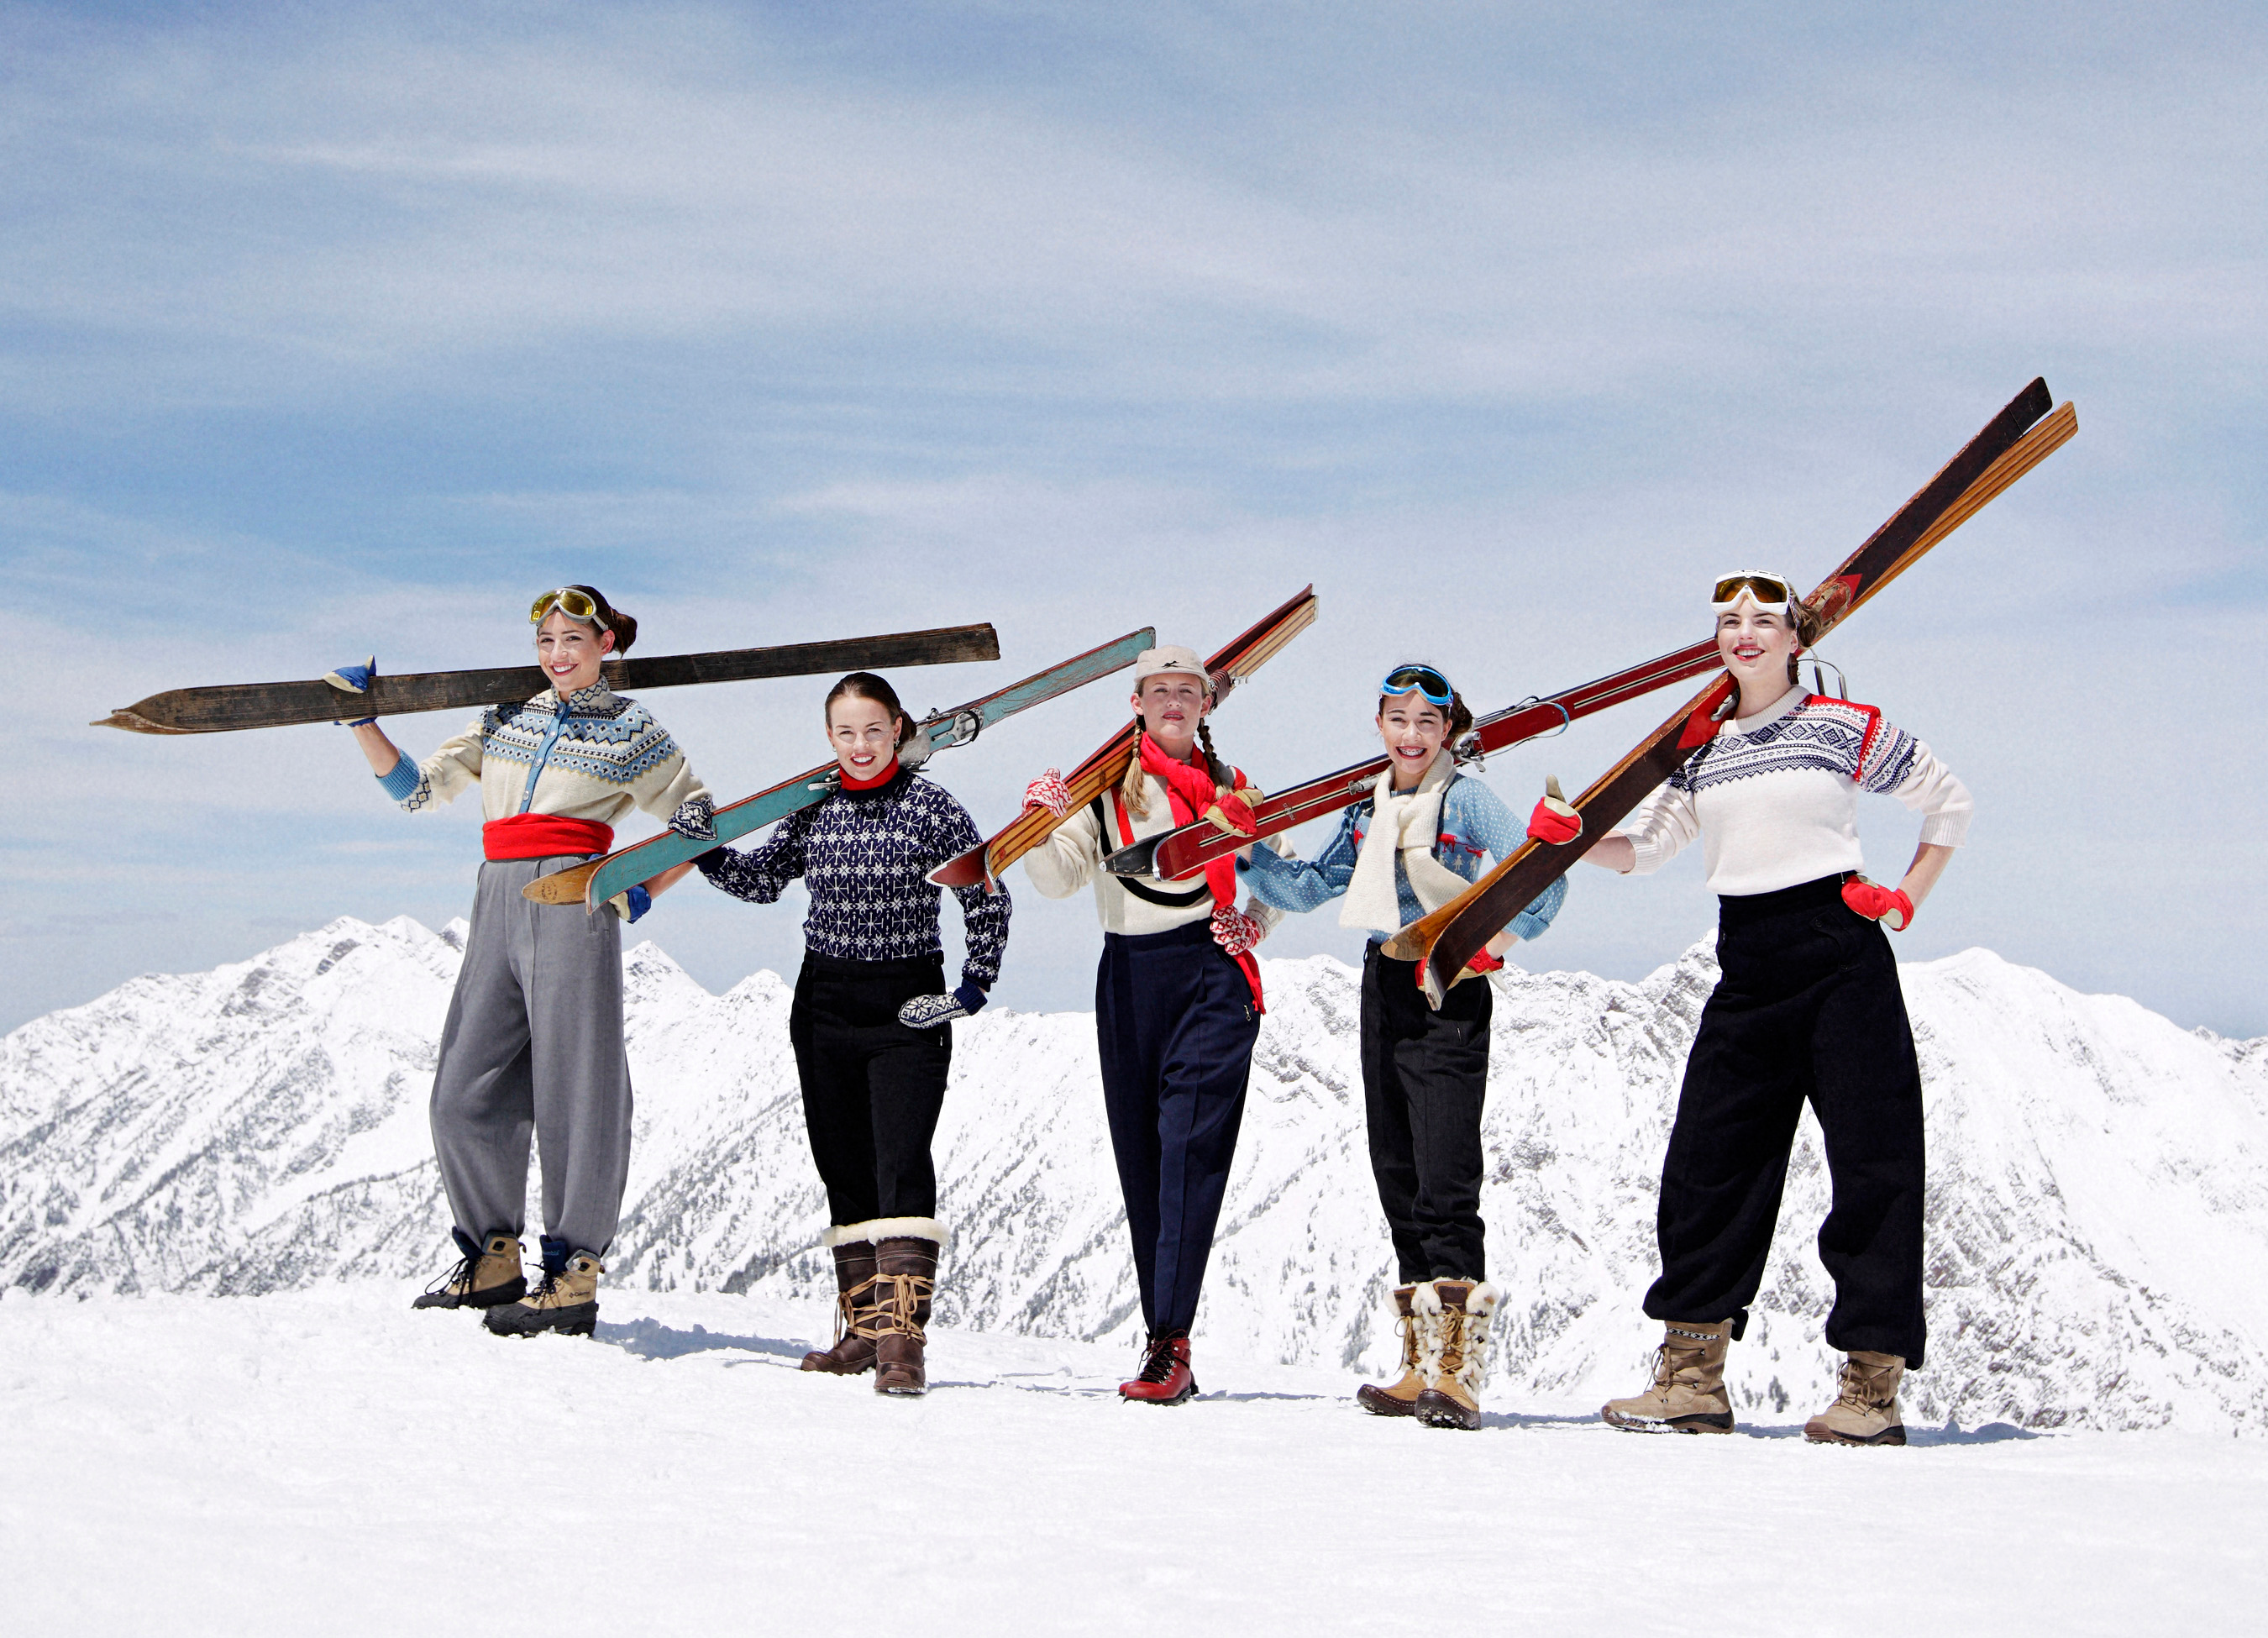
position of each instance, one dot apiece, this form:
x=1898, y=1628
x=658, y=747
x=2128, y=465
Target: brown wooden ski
x=1229, y=666
x=230, y=707
x=2016, y=441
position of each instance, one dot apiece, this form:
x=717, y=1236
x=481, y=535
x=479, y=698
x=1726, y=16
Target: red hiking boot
x=1165, y=1377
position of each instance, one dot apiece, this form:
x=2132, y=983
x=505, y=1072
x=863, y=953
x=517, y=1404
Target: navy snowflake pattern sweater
x=865, y=856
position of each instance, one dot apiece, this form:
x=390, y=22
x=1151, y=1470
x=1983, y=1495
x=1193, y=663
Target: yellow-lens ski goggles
x=575, y=605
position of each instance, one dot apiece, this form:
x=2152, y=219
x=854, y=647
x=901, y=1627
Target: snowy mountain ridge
x=2097, y=1199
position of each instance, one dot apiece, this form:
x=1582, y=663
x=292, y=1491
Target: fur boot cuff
x=881, y=1229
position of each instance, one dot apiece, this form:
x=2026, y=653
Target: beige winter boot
x=1688, y=1395
x=1453, y=1332
x=1865, y=1409
x=1401, y=1399
x=566, y=1302
x=486, y=1275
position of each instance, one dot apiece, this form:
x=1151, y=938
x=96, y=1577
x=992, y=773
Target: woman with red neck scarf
x=1178, y=1001
x=870, y=1022
x=533, y=1040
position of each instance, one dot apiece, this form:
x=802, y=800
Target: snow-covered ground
x=326, y=1462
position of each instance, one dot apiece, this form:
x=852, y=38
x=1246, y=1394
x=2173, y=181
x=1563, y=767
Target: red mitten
x=1482, y=962
x=1876, y=903
x=1554, y=821
x=1234, y=931
x=1050, y=791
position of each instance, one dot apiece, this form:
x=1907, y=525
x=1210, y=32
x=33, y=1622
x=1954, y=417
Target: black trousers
x=1809, y=1006
x=1175, y=1021
x=873, y=1087
x=1425, y=1077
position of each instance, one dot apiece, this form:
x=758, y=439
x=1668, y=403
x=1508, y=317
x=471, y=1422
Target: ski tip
x=967, y=870
x=131, y=721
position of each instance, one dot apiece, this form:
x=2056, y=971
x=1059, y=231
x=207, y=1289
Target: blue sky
x=327, y=330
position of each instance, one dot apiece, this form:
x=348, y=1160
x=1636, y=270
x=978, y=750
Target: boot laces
x=1158, y=1366
x=1856, y=1385
x=458, y=1279
x=543, y=1288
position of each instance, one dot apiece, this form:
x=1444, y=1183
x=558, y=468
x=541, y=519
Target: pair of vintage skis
x=594, y=883
x=2019, y=437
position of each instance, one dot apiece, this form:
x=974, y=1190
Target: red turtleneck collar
x=851, y=782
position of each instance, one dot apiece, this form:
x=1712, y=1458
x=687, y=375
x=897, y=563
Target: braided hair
x=1133, y=787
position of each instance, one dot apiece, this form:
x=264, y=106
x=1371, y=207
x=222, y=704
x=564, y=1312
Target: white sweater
x=1073, y=856
x=1775, y=798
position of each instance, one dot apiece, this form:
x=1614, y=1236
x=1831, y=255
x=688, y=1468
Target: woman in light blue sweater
x=1425, y=1073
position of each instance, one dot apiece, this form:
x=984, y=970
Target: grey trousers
x=534, y=1043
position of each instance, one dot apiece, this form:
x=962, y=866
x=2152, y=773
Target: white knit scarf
x=1404, y=822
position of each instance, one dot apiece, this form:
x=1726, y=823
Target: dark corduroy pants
x=873, y=1087
x=1808, y=1007
x=1174, y=1019
x=1425, y=1077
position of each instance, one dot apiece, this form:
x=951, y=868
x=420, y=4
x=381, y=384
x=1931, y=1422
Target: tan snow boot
x=1401, y=1399
x=1453, y=1319
x=486, y=1275
x=856, y=1312
x=905, y=1281
x=1866, y=1408
x=566, y=1302
x=1688, y=1395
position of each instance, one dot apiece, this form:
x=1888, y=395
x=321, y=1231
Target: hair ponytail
x=1808, y=626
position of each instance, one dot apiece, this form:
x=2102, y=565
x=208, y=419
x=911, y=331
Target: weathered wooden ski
x=2016, y=441
x=1228, y=667
x=1178, y=855
x=596, y=883
x=233, y=706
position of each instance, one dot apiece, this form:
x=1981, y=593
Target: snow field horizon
x=2095, y=1171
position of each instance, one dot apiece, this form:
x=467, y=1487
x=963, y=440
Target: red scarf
x=544, y=836
x=852, y=782
x=1190, y=793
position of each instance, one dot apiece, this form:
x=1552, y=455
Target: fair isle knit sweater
x=1475, y=826
x=597, y=759
x=1775, y=798
x=865, y=856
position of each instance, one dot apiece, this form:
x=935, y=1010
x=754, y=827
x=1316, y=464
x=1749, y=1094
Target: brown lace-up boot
x=1866, y=1408
x=905, y=1281
x=1688, y=1395
x=486, y=1275
x=855, y=1311
x=566, y=1302
x=1453, y=1319
x=1401, y=1399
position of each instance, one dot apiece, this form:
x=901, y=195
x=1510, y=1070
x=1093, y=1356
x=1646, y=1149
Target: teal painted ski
x=594, y=884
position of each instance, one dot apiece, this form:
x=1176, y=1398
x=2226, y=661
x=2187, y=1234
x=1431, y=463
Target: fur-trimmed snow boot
x=1165, y=1377
x=905, y=1282
x=1866, y=1408
x=565, y=1300
x=486, y=1275
x=1453, y=1318
x=1401, y=1399
x=856, y=1306
x=1688, y=1395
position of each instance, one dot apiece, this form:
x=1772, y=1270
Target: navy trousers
x=1175, y=1022
x=1809, y=1006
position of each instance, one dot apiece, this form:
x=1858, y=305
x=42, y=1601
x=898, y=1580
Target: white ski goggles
x=1773, y=592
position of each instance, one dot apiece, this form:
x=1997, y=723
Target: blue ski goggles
x=1419, y=680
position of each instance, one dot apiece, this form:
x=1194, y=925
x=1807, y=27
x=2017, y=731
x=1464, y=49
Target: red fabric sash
x=1189, y=792
x=544, y=836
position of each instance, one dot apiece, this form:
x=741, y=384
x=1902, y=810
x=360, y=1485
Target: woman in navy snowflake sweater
x=870, y=1022
x=1806, y=1007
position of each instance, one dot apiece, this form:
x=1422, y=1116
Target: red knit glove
x=1232, y=815
x=1554, y=819
x=1482, y=962
x=1876, y=903
x=1050, y=791
x=1234, y=931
